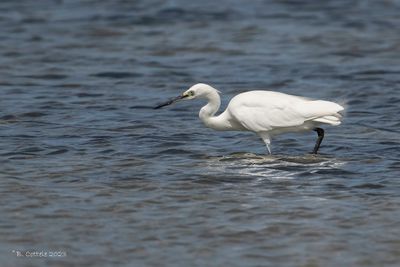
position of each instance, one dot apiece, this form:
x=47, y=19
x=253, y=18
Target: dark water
x=88, y=170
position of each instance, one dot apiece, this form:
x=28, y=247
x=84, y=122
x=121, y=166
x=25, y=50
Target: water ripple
x=89, y=168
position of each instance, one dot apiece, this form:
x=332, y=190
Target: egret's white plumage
x=266, y=113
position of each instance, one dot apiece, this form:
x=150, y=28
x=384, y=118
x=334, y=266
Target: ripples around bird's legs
x=273, y=167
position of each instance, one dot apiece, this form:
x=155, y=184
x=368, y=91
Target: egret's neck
x=208, y=111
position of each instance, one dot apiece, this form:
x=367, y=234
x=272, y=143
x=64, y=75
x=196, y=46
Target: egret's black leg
x=320, y=133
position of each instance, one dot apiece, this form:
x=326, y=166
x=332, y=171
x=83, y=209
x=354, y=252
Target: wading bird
x=266, y=113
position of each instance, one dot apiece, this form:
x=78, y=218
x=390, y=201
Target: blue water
x=91, y=172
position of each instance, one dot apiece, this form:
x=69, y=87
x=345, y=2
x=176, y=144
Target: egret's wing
x=264, y=110
x=266, y=118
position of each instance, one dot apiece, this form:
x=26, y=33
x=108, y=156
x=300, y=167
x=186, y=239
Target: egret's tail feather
x=332, y=120
x=324, y=112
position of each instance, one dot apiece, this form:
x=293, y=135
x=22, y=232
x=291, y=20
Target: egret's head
x=199, y=90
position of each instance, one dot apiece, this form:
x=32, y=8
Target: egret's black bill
x=169, y=102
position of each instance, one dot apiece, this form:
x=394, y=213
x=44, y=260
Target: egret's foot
x=268, y=149
x=320, y=133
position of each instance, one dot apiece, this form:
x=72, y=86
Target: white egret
x=266, y=113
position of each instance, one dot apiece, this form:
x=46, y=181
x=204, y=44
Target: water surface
x=89, y=169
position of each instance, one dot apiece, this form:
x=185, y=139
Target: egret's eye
x=191, y=93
